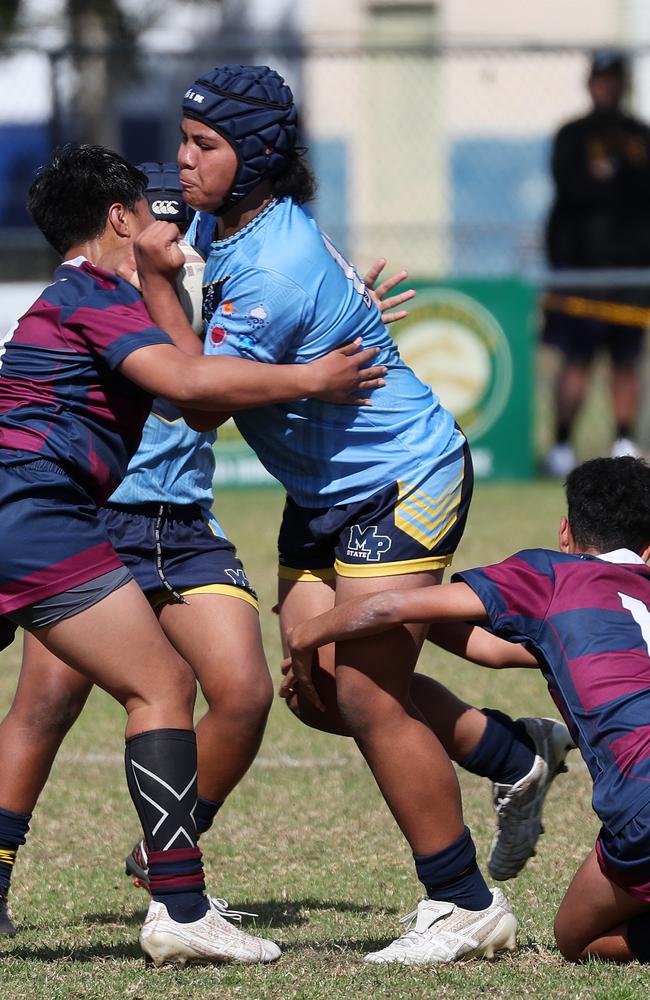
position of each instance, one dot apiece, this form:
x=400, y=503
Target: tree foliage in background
x=102, y=43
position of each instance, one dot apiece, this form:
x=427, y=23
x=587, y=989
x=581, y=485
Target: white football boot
x=560, y=461
x=519, y=806
x=210, y=939
x=624, y=448
x=439, y=933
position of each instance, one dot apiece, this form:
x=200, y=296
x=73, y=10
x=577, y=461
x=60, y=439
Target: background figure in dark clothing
x=600, y=219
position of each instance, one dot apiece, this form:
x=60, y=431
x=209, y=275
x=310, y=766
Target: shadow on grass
x=119, y=919
x=296, y=912
x=45, y=953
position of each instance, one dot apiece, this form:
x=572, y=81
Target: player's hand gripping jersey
x=278, y=291
x=587, y=620
x=60, y=395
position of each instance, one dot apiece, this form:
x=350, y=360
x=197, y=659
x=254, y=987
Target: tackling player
x=375, y=494
x=76, y=375
x=583, y=615
x=159, y=522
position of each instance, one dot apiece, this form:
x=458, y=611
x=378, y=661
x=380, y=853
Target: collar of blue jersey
x=621, y=556
x=251, y=225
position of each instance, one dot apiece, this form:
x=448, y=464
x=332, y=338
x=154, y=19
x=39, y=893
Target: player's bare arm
x=377, y=613
x=476, y=644
x=229, y=384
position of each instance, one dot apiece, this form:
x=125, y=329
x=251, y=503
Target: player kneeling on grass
x=583, y=615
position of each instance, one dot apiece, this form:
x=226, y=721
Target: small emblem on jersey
x=212, y=295
x=367, y=544
x=217, y=335
x=257, y=318
x=239, y=579
x=227, y=307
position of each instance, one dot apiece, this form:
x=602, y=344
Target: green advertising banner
x=473, y=342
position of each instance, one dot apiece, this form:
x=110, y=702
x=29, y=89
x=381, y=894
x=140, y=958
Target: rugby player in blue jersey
x=77, y=375
x=583, y=617
x=375, y=494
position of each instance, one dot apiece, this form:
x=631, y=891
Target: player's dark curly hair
x=609, y=504
x=297, y=180
x=70, y=196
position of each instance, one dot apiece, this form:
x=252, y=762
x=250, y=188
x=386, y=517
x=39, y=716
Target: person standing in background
x=600, y=219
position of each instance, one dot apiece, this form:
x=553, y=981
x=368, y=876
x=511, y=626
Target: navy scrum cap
x=165, y=195
x=253, y=109
x=608, y=60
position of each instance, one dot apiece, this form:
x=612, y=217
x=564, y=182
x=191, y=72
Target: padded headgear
x=253, y=109
x=165, y=194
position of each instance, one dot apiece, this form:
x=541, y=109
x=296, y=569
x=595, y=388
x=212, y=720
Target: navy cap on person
x=253, y=109
x=608, y=60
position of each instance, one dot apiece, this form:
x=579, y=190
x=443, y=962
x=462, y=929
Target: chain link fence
x=437, y=158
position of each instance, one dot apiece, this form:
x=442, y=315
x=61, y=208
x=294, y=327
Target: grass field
x=306, y=841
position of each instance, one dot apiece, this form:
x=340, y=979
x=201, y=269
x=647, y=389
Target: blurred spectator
x=600, y=219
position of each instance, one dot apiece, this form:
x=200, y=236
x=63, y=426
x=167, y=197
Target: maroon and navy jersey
x=587, y=620
x=61, y=397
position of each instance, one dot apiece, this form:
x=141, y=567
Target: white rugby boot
x=210, y=939
x=623, y=448
x=560, y=461
x=519, y=806
x=439, y=933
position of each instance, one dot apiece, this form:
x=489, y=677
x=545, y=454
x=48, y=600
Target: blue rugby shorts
x=405, y=527
x=175, y=550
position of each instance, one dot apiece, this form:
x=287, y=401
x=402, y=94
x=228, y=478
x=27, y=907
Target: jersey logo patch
x=212, y=296
x=367, y=543
x=217, y=335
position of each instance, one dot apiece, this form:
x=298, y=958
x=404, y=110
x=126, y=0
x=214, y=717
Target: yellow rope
x=610, y=312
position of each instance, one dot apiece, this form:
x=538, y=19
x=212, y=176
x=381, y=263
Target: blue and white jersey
x=173, y=464
x=278, y=291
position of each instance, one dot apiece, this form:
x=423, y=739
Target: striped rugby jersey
x=61, y=397
x=587, y=620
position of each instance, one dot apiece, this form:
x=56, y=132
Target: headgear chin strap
x=253, y=109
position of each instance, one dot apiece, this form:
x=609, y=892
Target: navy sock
x=452, y=875
x=14, y=828
x=505, y=752
x=204, y=813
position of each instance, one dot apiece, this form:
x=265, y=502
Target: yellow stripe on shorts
x=427, y=564
x=307, y=575
x=424, y=519
x=226, y=589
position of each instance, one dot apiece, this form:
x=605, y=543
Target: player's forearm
x=376, y=613
x=473, y=643
x=228, y=384
x=166, y=311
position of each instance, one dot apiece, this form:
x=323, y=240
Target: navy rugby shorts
x=624, y=857
x=175, y=550
x=402, y=528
